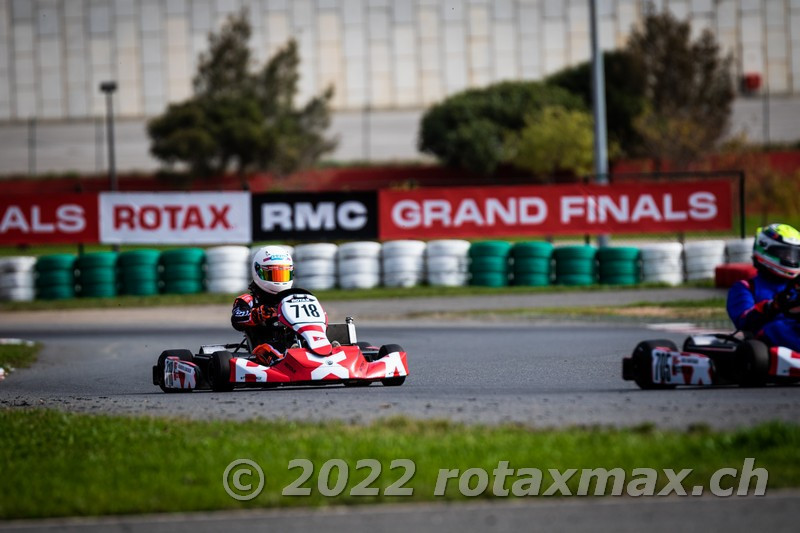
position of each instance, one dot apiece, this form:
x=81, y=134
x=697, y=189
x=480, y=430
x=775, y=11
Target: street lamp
x=108, y=87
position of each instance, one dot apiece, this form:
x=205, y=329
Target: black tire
x=366, y=347
x=385, y=350
x=183, y=355
x=219, y=372
x=642, y=362
x=753, y=359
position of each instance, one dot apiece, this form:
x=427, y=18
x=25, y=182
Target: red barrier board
x=43, y=219
x=555, y=210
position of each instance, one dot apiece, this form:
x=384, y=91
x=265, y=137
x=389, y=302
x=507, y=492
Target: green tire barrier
x=183, y=270
x=489, y=279
x=96, y=260
x=183, y=255
x=55, y=277
x=183, y=287
x=98, y=290
x=619, y=266
x=97, y=275
x=531, y=265
x=575, y=265
x=488, y=263
x=532, y=280
x=138, y=272
x=541, y=250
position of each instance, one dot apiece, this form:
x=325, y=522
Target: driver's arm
x=244, y=315
x=745, y=313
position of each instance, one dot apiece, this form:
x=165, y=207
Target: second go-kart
x=709, y=360
x=320, y=354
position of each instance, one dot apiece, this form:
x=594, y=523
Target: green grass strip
x=59, y=464
x=18, y=355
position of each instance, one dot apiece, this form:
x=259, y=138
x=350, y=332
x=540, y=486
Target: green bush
x=468, y=129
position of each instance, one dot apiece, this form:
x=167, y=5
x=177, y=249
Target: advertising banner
x=556, y=210
x=315, y=216
x=42, y=219
x=175, y=218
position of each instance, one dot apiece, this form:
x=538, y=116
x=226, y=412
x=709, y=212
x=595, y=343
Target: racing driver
x=255, y=312
x=767, y=305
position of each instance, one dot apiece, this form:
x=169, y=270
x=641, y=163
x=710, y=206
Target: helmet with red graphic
x=273, y=269
x=776, y=251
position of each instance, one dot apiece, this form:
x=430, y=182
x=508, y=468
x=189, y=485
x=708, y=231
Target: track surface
x=541, y=374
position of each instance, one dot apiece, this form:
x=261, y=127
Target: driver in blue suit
x=767, y=304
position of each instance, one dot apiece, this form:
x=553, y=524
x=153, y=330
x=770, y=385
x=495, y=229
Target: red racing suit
x=750, y=308
x=256, y=314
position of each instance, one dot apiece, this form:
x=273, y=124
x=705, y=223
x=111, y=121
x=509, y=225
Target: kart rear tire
x=753, y=360
x=219, y=372
x=643, y=361
x=385, y=350
x=183, y=355
x=365, y=346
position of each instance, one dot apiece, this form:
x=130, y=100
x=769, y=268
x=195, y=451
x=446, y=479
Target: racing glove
x=785, y=301
x=260, y=315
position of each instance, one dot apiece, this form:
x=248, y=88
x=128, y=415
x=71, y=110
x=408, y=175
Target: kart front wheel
x=183, y=355
x=643, y=363
x=385, y=350
x=753, y=359
x=219, y=371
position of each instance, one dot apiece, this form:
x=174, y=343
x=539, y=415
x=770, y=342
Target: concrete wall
x=385, y=54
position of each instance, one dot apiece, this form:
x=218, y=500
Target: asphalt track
x=478, y=370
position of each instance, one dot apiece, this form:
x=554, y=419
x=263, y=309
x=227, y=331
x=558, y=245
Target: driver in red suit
x=255, y=312
x=768, y=305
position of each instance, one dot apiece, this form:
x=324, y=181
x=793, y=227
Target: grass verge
x=61, y=464
x=18, y=355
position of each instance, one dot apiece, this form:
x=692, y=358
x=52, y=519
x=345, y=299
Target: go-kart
x=710, y=360
x=320, y=354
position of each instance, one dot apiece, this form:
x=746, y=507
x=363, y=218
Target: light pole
x=599, y=106
x=108, y=87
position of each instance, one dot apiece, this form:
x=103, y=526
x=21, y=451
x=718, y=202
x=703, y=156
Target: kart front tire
x=219, y=371
x=385, y=350
x=753, y=360
x=183, y=355
x=643, y=363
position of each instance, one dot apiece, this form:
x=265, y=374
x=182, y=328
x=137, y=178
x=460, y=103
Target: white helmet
x=273, y=269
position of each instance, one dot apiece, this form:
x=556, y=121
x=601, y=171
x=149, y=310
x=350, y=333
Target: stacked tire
x=315, y=266
x=182, y=271
x=446, y=262
x=532, y=263
x=619, y=265
x=137, y=272
x=575, y=265
x=55, y=277
x=17, y=279
x=227, y=269
x=739, y=250
x=489, y=263
x=359, y=265
x=702, y=258
x=403, y=263
x=662, y=263
x=97, y=275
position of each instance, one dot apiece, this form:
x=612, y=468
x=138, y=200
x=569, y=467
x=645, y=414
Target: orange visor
x=277, y=273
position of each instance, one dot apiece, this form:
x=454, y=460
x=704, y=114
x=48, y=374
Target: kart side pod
x=658, y=364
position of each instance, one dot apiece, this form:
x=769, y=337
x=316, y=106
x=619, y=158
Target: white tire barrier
x=702, y=257
x=315, y=283
x=319, y=250
x=662, y=263
x=739, y=250
x=359, y=265
x=17, y=279
x=228, y=269
x=403, y=263
x=447, y=263
x=315, y=266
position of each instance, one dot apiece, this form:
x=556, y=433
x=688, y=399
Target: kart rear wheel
x=183, y=355
x=385, y=350
x=753, y=358
x=368, y=351
x=219, y=371
x=643, y=363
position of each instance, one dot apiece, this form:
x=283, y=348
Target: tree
x=555, y=139
x=688, y=87
x=241, y=118
x=468, y=129
x=624, y=89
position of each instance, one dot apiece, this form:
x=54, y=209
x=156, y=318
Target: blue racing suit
x=750, y=308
